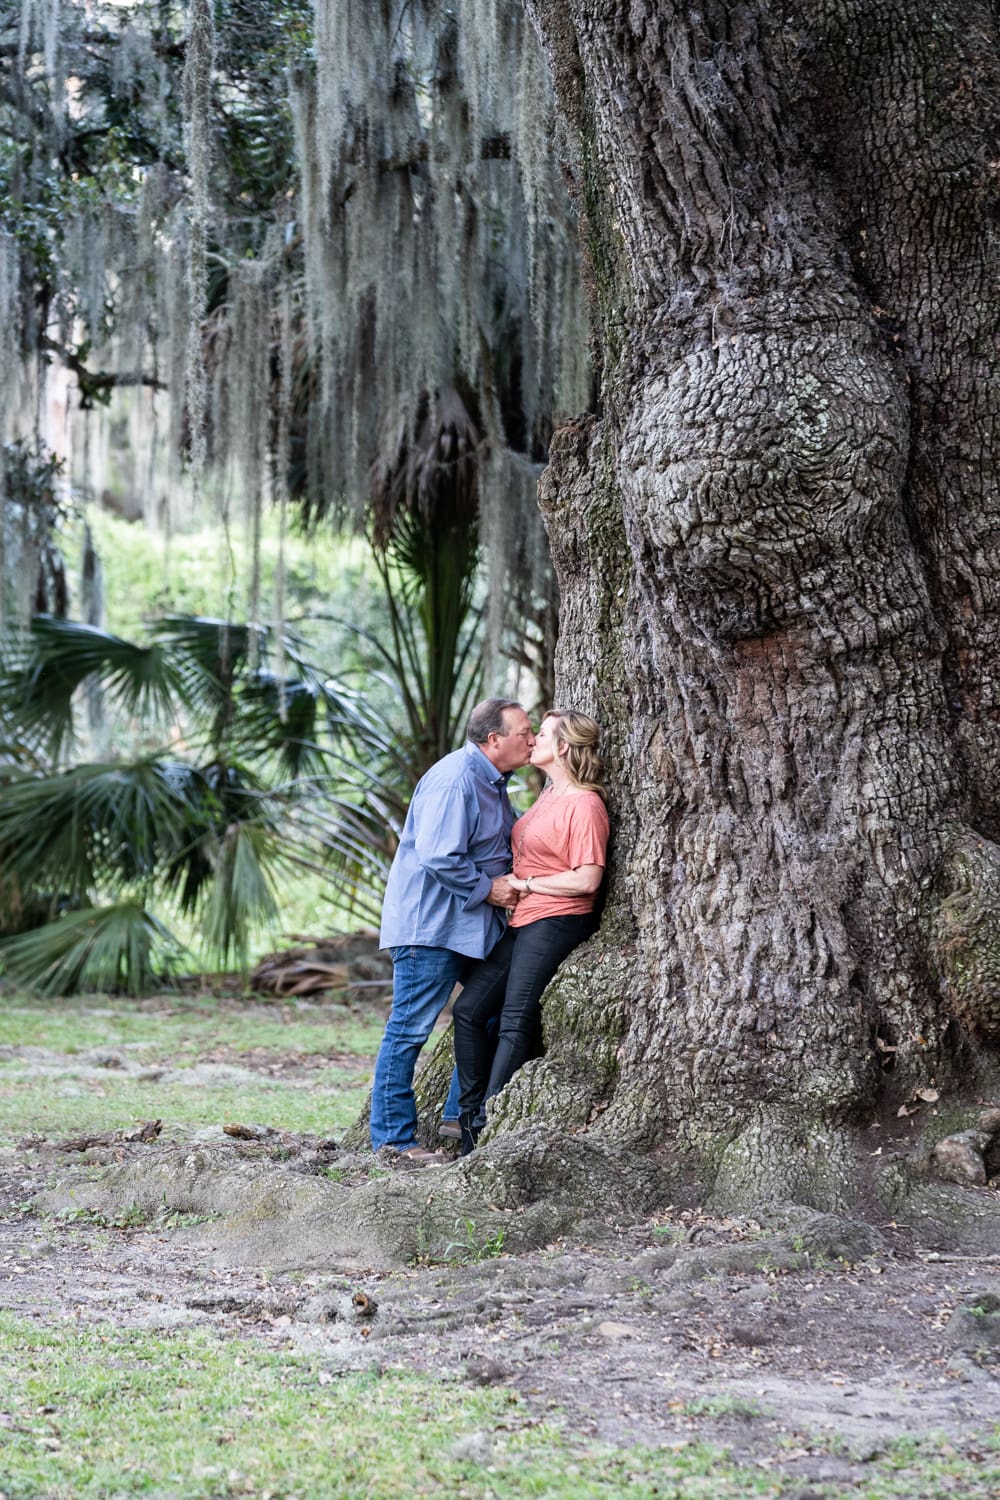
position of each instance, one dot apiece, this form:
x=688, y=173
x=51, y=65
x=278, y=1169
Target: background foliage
x=262, y=264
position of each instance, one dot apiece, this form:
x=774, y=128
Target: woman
x=559, y=849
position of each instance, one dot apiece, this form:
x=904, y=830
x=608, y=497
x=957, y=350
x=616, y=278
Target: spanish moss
x=314, y=230
x=197, y=96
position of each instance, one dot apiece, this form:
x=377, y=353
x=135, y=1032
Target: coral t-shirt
x=555, y=835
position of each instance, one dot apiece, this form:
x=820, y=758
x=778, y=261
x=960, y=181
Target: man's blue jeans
x=422, y=981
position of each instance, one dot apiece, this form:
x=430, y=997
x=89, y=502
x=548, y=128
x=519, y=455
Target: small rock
x=483, y=1371
x=959, y=1158
x=615, y=1331
x=592, y=1232
x=752, y=1335
x=168, y=1318
x=703, y=1234
x=975, y=1325
x=241, y=1132
x=101, y=1057
x=474, y=1448
x=838, y=1238
x=325, y=1307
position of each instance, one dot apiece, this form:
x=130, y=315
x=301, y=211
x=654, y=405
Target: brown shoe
x=419, y=1156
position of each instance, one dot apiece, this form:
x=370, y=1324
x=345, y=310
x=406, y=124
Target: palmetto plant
x=278, y=772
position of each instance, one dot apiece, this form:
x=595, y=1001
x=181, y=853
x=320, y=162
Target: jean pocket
x=398, y=953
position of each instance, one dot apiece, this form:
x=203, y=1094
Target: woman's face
x=547, y=749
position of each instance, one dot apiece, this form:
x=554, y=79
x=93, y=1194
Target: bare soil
x=650, y=1334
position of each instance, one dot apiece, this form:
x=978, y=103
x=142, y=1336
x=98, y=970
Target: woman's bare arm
x=583, y=881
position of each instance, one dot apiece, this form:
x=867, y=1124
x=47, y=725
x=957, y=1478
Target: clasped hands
x=503, y=892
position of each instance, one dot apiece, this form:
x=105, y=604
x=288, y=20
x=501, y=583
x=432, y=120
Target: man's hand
x=502, y=893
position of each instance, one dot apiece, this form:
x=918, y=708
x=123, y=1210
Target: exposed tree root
x=519, y=1194
x=307, y=1207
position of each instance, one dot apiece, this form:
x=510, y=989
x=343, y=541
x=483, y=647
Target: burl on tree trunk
x=778, y=549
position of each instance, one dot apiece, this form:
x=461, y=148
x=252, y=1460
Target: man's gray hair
x=487, y=718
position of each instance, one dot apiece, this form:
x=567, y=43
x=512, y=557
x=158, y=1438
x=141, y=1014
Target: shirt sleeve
x=587, y=833
x=441, y=835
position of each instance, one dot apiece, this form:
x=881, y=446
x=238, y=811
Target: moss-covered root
x=518, y=1194
x=964, y=933
x=941, y=1215
x=945, y=1190
x=798, y=1239
x=778, y=1159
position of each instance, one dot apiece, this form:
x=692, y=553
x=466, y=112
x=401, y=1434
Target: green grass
x=324, y=1107
x=92, y=1413
x=933, y=1469
x=177, y=1028
x=95, y=1413
x=175, y=1034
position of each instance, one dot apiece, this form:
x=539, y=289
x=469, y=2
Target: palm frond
x=281, y=717
x=100, y=948
x=219, y=647
x=115, y=823
x=221, y=794
x=424, y=497
x=419, y=472
x=242, y=895
x=46, y=664
x=209, y=656
x=304, y=724
x=350, y=844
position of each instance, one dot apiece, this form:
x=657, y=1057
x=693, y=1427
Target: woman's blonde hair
x=581, y=735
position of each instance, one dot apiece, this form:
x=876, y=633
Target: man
x=445, y=901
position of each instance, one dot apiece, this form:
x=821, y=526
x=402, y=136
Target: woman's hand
x=518, y=885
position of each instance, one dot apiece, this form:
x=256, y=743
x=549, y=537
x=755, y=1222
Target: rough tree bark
x=778, y=548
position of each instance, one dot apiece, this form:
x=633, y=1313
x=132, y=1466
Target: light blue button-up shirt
x=455, y=842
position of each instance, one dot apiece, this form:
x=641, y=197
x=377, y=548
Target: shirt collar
x=484, y=766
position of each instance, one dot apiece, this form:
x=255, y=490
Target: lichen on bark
x=964, y=933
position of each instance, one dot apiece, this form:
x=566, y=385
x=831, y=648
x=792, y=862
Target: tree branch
x=98, y=384
x=491, y=148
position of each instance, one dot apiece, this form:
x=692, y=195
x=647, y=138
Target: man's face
x=512, y=749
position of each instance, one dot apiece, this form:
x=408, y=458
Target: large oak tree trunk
x=777, y=548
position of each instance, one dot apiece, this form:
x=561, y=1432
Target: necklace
x=549, y=791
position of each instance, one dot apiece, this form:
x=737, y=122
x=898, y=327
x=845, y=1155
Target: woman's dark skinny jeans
x=509, y=983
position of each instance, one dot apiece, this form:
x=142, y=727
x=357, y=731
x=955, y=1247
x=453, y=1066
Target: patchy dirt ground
x=640, y=1335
